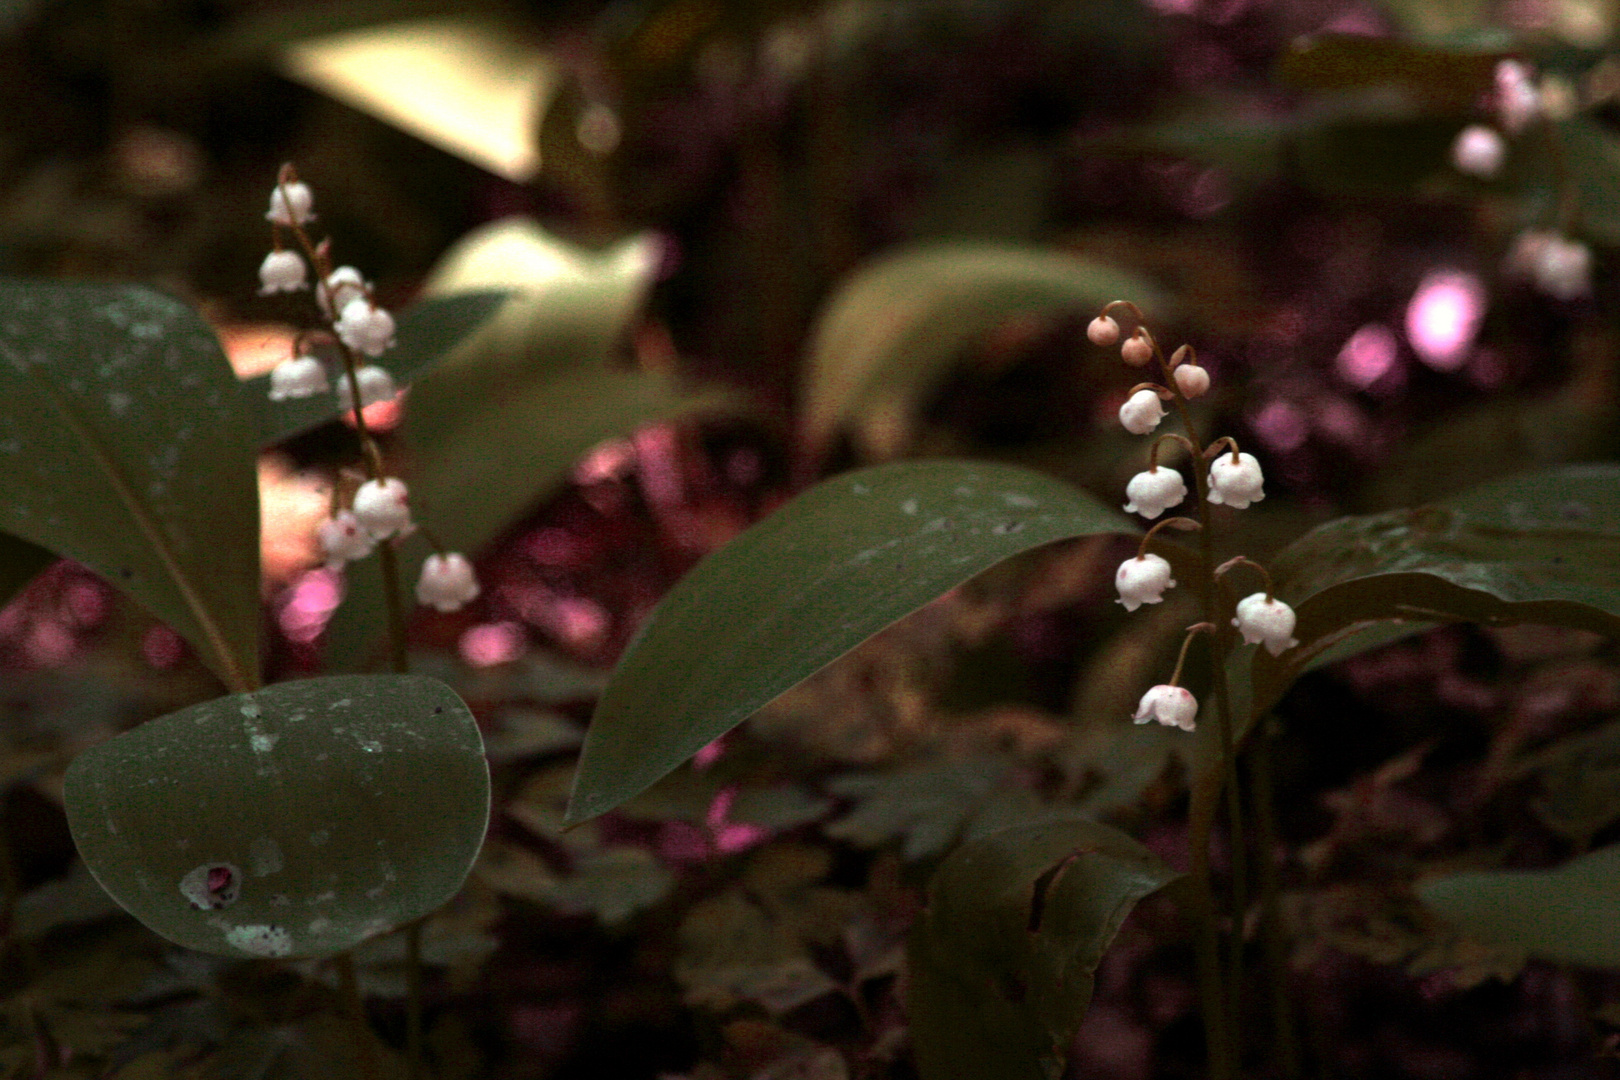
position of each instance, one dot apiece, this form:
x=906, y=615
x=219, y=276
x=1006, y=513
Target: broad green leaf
x=1570, y=914
x=426, y=333
x=1001, y=963
x=1580, y=781
x=1540, y=547
x=126, y=447
x=927, y=805
x=20, y=563
x=892, y=329
x=344, y=807
x=800, y=589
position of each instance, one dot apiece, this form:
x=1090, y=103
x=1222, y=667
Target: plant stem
x=1285, y=1042
x=413, y=1001
x=365, y=1042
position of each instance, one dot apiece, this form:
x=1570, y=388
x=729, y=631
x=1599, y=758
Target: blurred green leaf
x=1592, y=156
x=20, y=563
x=1361, y=158
x=426, y=332
x=1580, y=780
x=1446, y=78
x=892, y=329
x=801, y=588
x=928, y=806
x=612, y=883
x=1001, y=963
x=128, y=449
x=345, y=806
x=1570, y=914
x=1540, y=547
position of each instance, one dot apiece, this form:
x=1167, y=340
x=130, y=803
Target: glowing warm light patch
x=1444, y=316
x=309, y=605
x=1368, y=356
x=1281, y=426
x=493, y=643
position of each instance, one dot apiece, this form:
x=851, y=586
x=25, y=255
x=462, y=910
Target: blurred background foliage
x=745, y=243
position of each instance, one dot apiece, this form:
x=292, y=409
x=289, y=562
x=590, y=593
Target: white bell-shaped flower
x=1142, y=580
x=1192, y=380
x=376, y=384
x=297, y=377
x=1478, y=151
x=365, y=327
x=343, y=539
x=1235, y=483
x=1172, y=706
x=382, y=507
x=1142, y=412
x=1153, y=492
x=338, y=288
x=1103, y=331
x=282, y=271
x=1266, y=622
x=291, y=204
x=447, y=582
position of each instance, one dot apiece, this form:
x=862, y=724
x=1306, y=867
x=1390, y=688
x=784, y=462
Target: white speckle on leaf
x=260, y=940
x=320, y=925
x=860, y=489
x=212, y=886
x=264, y=857
x=909, y=506
x=250, y=710
x=324, y=898
x=119, y=402
x=319, y=837
x=341, y=703
x=262, y=743
x=373, y=894
x=1007, y=528
x=1023, y=502
x=964, y=491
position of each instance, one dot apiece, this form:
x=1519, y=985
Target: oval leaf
x=1001, y=963
x=126, y=447
x=339, y=808
x=1540, y=547
x=426, y=332
x=801, y=588
x=894, y=326
x=1570, y=914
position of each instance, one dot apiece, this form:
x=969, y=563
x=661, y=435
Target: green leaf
x=1536, y=548
x=1593, y=156
x=1001, y=963
x=1569, y=915
x=127, y=448
x=894, y=327
x=345, y=807
x=425, y=334
x=801, y=588
x=1580, y=780
x=928, y=805
x=20, y=563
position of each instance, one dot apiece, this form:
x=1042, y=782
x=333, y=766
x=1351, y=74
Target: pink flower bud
x=1191, y=380
x=1138, y=349
x=1103, y=331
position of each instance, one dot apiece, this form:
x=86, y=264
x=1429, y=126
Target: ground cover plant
x=926, y=540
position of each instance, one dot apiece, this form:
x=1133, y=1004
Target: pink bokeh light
x=493, y=643
x=1281, y=425
x=309, y=605
x=1368, y=356
x=1443, y=317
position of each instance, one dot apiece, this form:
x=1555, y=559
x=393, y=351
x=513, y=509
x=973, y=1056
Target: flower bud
x=1517, y=100
x=1142, y=412
x=1103, y=331
x=1138, y=348
x=343, y=539
x=282, y=271
x=1268, y=622
x=1142, y=580
x=298, y=377
x=381, y=508
x=376, y=384
x=447, y=582
x=291, y=204
x=1192, y=380
x=339, y=287
x=1235, y=483
x=1153, y=492
x=365, y=327
x=1172, y=706
x=1478, y=151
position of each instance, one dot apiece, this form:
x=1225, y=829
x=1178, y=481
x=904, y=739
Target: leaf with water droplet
x=801, y=588
x=126, y=447
x=298, y=820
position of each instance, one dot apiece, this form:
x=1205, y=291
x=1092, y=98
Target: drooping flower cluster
x=355, y=326
x=1231, y=478
x=1518, y=100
